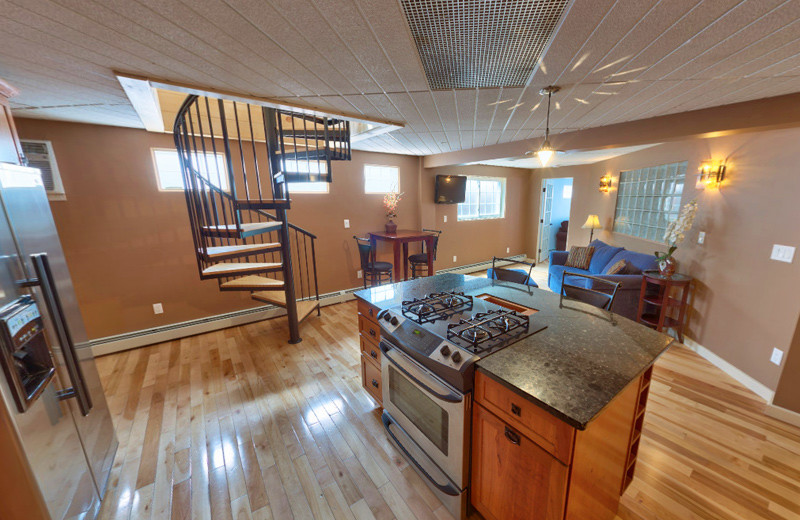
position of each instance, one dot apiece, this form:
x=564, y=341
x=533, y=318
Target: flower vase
x=667, y=266
x=391, y=227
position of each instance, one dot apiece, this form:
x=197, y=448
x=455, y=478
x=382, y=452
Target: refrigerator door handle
x=53, y=303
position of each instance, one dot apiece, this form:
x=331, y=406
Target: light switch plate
x=360, y=274
x=701, y=237
x=445, y=218
x=777, y=356
x=346, y=223
x=158, y=308
x=508, y=250
x=782, y=253
x=454, y=258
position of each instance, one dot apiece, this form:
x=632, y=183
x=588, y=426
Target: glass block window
x=484, y=198
x=648, y=199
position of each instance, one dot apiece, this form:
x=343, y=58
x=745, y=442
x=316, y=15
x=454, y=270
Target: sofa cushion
x=555, y=272
x=579, y=257
x=603, y=253
x=637, y=262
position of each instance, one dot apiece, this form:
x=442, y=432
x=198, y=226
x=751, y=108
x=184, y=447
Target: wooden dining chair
x=419, y=261
x=601, y=293
x=373, y=272
x=520, y=276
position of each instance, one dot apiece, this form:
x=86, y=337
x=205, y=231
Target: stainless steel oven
x=428, y=420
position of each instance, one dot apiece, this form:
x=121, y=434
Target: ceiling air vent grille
x=481, y=43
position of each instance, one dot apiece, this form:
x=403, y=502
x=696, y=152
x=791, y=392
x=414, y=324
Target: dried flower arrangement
x=390, y=202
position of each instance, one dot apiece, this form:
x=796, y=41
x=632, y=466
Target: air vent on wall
x=40, y=156
x=481, y=43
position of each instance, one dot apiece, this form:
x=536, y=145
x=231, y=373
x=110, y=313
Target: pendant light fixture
x=546, y=151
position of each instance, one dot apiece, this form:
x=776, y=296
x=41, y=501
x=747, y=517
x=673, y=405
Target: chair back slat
x=600, y=294
x=509, y=275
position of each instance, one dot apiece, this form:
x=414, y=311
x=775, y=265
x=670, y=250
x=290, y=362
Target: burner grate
x=486, y=326
x=436, y=306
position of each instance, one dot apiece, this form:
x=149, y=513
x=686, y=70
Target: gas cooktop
x=448, y=332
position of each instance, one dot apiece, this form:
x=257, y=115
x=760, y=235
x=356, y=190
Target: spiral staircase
x=236, y=160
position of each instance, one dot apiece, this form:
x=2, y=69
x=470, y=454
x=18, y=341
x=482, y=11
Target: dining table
x=400, y=240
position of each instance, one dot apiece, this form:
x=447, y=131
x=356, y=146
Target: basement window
x=381, y=179
x=306, y=167
x=170, y=177
x=485, y=199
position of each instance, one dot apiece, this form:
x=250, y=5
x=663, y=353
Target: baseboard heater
x=141, y=338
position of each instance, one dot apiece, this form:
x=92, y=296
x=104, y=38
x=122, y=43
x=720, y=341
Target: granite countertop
x=573, y=368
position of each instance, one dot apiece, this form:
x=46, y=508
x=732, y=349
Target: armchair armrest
x=558, y=257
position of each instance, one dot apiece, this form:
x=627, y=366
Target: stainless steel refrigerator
x=49, y=382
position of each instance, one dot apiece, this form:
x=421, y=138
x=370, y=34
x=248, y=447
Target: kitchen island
x=556, y=416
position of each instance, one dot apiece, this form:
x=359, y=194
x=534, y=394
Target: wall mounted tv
x=450, y=189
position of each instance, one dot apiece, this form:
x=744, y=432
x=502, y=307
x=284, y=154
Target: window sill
x=472, y=219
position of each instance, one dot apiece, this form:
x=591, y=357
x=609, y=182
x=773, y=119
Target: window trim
x=364, y=176
x=501, y=215
x=153, y=151
x=57, y=193
x=293, y=190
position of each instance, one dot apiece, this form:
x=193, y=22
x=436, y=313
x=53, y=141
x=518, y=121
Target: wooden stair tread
x=249, y=228
x=253, y=283
x=306, y=307
x=232, y=268
x=274, y=297
x=217, y=252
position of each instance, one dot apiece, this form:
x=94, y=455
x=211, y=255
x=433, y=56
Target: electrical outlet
x=445, y=218
x=158, y=308
x=777, y=356
x=360, y=274
x=701, y=237
x=455, y=258
x=782, y=253
x=508, y=250
x=347, y=223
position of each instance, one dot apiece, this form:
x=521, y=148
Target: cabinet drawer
x=369, y=329
x=370, y=349
x=552, y=434
x=513, y=478
x=368, y=311
x=371, y=379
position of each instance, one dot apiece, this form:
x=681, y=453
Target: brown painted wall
x=129, y=245
x=787, y=395
x=743, y=304
x=477, y=240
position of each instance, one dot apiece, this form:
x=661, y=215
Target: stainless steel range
x=430, y=346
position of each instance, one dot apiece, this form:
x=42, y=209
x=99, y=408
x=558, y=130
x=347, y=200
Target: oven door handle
x=447, y=489
x=449, y=397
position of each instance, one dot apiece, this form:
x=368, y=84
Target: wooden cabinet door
x=512, y=477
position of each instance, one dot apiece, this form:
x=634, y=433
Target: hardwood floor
x=239, y=424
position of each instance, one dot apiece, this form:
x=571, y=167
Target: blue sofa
x=605, y=255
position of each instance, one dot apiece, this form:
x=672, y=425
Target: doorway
x=554, y=215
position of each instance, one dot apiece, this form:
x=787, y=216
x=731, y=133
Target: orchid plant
x=390, y=202
x=676, y=230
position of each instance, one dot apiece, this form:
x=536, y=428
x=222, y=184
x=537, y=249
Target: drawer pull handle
x=516, y=410
x=375, y=383
x=370, y=312
x=372, y=332
x=373, y=354
x=512, y=436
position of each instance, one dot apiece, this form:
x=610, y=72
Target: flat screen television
x=450, y=189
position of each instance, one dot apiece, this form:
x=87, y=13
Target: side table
x=657, y=301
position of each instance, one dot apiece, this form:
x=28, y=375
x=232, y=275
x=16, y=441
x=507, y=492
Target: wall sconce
x=711, y=174
x=605, y=183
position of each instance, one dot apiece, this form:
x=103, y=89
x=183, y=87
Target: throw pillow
x=619, y=267
x=579, y=257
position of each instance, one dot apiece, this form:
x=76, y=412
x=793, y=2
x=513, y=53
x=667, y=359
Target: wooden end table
x=656, y=301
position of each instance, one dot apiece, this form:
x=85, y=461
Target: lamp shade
x=592, y=222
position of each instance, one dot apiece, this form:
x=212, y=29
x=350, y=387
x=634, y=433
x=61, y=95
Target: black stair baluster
x=228, y=162
x=205, y=180
x=223, y=237
x=241, y=153
x=202, y=192
x=255, y=156
x=180, y=132
x=314, y=264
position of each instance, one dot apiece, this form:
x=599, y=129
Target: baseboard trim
x=752, y=384
x=782, y=414
x=141, y=338
x=479, y=266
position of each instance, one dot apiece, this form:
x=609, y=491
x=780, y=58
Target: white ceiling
x=567, y=158
x=617, y=60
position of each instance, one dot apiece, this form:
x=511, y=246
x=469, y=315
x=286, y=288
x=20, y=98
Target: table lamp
x=592, y=223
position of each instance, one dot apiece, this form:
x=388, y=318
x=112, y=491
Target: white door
x=544, y=219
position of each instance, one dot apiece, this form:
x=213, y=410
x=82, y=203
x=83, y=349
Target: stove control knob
x=395, y=321
x=445, y=350
x=456, y=357
x=387, y=316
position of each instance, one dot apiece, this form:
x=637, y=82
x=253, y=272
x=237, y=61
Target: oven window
x=430, y=418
